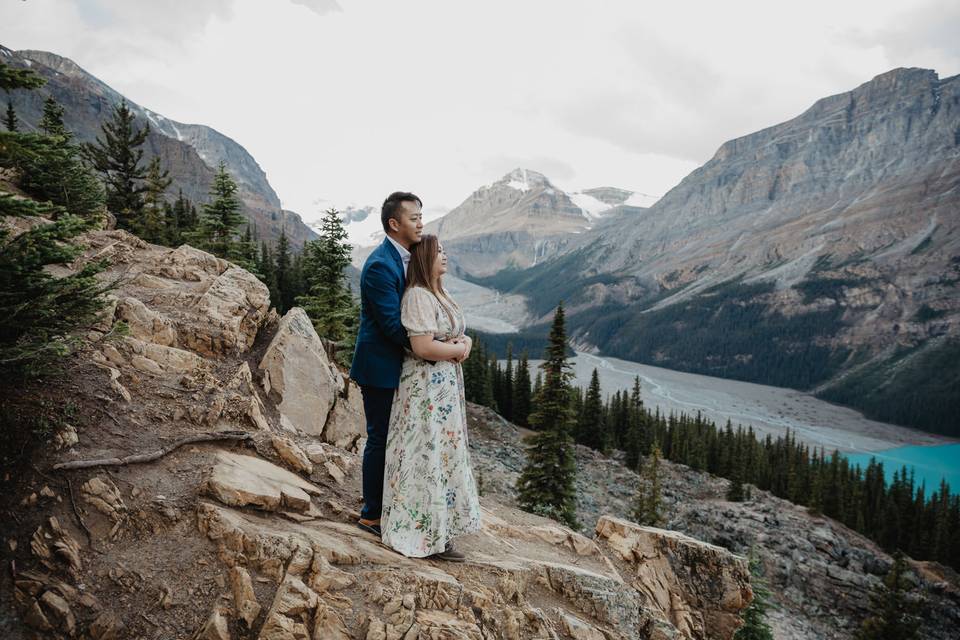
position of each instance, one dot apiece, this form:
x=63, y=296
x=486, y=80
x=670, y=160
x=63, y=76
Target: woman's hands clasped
x=467, y=343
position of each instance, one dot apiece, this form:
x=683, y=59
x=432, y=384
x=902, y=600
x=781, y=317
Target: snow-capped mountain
x=520, y=220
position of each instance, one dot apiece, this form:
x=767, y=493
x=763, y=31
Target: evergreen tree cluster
x=281, y=269
x=41, y=314
x=507, y=390
x=898, y=515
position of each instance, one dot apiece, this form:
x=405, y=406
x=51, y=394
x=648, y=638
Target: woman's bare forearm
x=429, y=349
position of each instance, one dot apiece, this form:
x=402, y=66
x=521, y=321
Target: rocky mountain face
x=819, y=572
x=190, y=152
x=204, y=486
x=836, y=232
x=516, y=222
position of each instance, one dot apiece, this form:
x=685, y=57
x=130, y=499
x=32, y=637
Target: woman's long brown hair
x=423, y=258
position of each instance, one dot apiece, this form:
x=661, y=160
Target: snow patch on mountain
x=592, y=208
x=638, y=199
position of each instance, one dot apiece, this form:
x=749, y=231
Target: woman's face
x=440, y=264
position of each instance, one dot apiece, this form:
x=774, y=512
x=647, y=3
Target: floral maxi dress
x=429, y=493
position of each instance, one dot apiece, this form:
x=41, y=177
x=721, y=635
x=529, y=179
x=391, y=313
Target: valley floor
x=768, y=409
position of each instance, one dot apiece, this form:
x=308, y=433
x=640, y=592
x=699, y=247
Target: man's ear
x=394, y=224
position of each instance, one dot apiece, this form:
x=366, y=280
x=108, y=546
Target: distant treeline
x=923, y=522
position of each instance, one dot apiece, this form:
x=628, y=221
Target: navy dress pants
x=377, y=403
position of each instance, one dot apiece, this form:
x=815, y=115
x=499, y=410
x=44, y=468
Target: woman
x=429, y=494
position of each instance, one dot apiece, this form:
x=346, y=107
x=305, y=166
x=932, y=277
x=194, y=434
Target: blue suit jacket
x=381, y=338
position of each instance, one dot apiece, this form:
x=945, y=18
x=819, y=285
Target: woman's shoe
x=450, y=555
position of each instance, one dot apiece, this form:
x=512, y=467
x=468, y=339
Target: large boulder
x=700, y=603
x=297, y=373
x=230, y=312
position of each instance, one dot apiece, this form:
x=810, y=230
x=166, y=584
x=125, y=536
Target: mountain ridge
x=190, y=152
x=820, y=253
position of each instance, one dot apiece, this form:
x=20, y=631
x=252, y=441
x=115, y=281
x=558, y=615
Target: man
x=381, y=339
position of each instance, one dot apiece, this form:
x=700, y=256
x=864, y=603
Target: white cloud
x=320, y=7
x=347, y=101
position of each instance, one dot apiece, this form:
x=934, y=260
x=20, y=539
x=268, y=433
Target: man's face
x=408, y=228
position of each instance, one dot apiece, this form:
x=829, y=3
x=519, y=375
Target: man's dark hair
x=391, y=207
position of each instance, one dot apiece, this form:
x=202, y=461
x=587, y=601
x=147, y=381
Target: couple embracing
x=419, y=491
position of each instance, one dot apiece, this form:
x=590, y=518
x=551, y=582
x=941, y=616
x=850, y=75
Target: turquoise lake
x=930, y=464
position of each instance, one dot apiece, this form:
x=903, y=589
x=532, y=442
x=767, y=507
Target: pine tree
x=267, y=267
x=117, y=158
x=521, y=392
x=181, y=220
x=547, y=482
x=152, y=224
x=221, y=217
x=634, y=442
x=648, y=505
x=246, y=251
x=283, y=267
x=895, y=614
x=10, y=117
x=12, y=79
x=506, y=386
x=487, y=396
x=736, y=493
x=297, y=283
x=51, y=122
x=328, y=300
x=591, y=427
x=50, y=169
x=754, y=617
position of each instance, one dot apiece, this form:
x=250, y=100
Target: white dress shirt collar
x=404, y=253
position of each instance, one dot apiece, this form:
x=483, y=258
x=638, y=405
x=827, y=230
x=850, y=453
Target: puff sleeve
x=418, y=312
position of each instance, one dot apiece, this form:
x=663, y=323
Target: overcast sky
x=343, y=101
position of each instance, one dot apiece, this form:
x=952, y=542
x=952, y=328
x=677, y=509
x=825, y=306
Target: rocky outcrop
x=246, y=480
x=337, y=575
x=259, y=539
x=820, y=574
x=657, y=555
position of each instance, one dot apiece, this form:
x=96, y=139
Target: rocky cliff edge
x=228, y=481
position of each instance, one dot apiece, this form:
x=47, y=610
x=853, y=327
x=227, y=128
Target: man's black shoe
x=370, y=527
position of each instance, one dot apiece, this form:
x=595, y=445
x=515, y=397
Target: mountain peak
x=56, y=62
x=525, y=179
